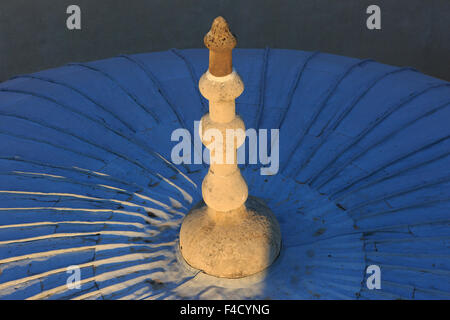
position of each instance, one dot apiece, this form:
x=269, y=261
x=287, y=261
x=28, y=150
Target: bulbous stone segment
x=229, y=136
x=223, y=188
x=221, y=93
x=224, y=192
x=226, y=88
x=231, y=244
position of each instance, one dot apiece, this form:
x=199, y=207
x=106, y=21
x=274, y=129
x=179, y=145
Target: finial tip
x=220, y=37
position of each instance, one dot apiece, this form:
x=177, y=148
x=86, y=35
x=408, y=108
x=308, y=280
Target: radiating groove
x=386, y=228
x=55, y=223
x=95, y=263
x=157, y=84
x=54, y=128
x=53, y=145
x=64, y=106
x=409, y=268
x=415, y=288
x=262, y=85
x=393, y=228
x=162, y=92
x=86, y=210
x=57, y=103
x=340, y=118
x=317, y=109
x=403, y=170
x=357, y=98
x=80, y=234
x=262, y=88
x=123, y=89
x=88, y=173
x=412, y=239
x=131, y=138
x=301, y=68
x=372, y=125
x=84, y=95
x=393, y=133
x=181, y=173
x=96, y=247
x=400, y=192
x=99, y=146
x=76, y=137
x=40, y=175
x=324, y=239
x=415, y=205
x=157, y=212
x=193, y=75
x=96, y=186
x=185, y=195
x=410, y=255
x=152, y=266
x=386, y=138
x=346, y=111
x=121, y=285
x=75, y=170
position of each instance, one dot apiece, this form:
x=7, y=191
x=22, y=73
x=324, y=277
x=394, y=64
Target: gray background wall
x=33, y=33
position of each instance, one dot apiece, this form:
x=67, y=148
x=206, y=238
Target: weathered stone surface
x=220, y=41
x=231, y=244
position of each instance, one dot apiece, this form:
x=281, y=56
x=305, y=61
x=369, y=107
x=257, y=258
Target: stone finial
x=220, y=42
x=230, y=234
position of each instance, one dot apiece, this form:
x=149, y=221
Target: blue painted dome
x=86, y=178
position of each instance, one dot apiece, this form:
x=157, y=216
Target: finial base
x=231, y=244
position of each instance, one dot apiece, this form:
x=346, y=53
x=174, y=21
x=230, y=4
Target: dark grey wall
x=33, y=34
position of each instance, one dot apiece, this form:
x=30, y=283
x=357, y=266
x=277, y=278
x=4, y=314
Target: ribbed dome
x=86, y=177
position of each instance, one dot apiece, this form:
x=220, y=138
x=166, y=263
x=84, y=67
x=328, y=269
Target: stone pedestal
x=230, y=244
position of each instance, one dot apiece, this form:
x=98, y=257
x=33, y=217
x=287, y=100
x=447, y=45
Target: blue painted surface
x=364, y=177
